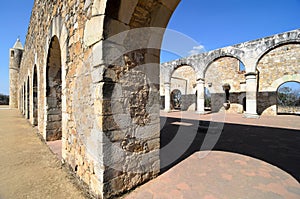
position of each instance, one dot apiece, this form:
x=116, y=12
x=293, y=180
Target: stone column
x=200, y=96
x=251, y=95
x=167, y=97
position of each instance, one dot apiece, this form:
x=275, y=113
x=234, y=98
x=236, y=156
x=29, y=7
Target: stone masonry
x=83, y=80
x=269, y=62
x=89, y=75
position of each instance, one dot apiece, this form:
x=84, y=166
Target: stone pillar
x=200, y=96
x=251, y=95
x=27, y=99
x=24, y=99
x=167, y=97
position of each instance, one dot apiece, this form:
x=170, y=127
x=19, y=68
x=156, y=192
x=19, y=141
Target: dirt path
x=27, y=167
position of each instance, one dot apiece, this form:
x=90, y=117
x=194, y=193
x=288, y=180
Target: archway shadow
x=277, y=146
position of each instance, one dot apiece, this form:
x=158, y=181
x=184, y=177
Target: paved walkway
x=220, y=175
x=279, y=121
x=228, y=174
x=27, y=167
x=29, y=170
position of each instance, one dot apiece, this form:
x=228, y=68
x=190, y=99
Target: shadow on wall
x=186, y=102
x=279, y=147
x=267, y=104
x=236, y=101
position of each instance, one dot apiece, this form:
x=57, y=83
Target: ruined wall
x=184, y=79
x=222, y=71
x=66, y=20
x=281, y=63
x=109, y=86
x=109, y=95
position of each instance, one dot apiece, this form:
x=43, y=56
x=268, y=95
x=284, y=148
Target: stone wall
x=65, y=20
x=184, y=79
x=281, y=63
x=250, y=54
x=110, y=84
x=223, y=71
x=188, y=102
x=288, y=110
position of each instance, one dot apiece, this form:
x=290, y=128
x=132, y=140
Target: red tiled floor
x=229, y=175
x=220, y=175
x=279, y=121
x=56, y=148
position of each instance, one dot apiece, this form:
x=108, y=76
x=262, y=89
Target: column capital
x=200, y=80
x=250, y=74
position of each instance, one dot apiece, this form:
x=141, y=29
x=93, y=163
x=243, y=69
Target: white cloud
x=197, y=50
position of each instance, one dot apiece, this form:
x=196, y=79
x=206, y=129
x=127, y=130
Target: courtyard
x=256, y=158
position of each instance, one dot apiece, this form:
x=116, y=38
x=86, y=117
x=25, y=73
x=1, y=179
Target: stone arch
x=275, y=65
x=35, y=95
x=176, y=100
x=286, y=78
x=110, y=18
x=54, y=92
x=184, y=79
x=28, y=98
x=211, y=61
x=292, y=105
x=275, y=44
x=155, y=13
x=225, y=81
x=271, y=108
x=207, y=99
x=24, y=98
x=278, y=64
x=214, y=57
x=244, y=103
x=177, y=66
x=59, y=31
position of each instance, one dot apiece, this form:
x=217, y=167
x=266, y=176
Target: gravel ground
x=28, y=169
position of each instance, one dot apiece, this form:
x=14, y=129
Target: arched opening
x=35, y=97
x=279, y=63
x=176, y=100
x=54, y=92
x=288, y=98
x=244, y=104
x=123, y=15
x=242, y=67
x=183, y=80
x=28, y=98
x=24, y=99
x=207, y=100
x=224, y=78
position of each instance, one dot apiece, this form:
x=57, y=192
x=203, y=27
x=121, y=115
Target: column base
x=200, y=112
x=167, y=111
x=251, y=115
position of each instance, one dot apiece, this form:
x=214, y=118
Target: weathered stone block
x=93, y=31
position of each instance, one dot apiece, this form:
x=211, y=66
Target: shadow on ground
x=180, y=138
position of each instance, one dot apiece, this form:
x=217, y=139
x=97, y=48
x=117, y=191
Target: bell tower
x=15, y=57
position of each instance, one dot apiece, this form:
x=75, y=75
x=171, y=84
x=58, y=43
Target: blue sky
x=14, y=20
x=211, y=24
x=217, y=23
